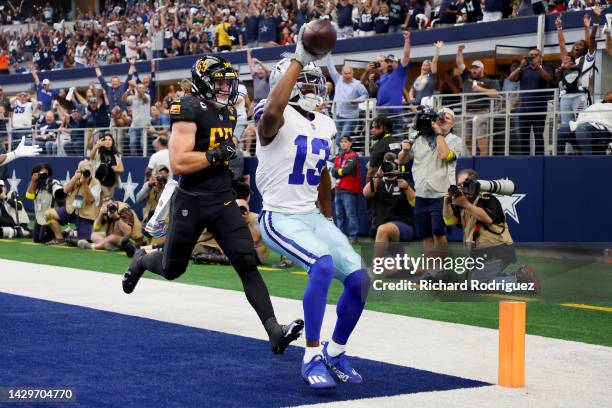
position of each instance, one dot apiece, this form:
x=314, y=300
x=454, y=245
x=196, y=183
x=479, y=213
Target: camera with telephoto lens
x=472, y=187
x=86, y=173
x=42, y=175
x=161, y=179
x=112, y=208
x=425, y=117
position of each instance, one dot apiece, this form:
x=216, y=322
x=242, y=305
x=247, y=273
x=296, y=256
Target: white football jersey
x=289, y=169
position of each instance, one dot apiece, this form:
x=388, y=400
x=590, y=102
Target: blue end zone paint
x=114, y=360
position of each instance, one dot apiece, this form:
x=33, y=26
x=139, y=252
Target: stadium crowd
x=162, y=29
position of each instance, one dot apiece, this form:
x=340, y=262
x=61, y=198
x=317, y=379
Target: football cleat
x=290, y=332
x=316, y=375
x=340, y=367
x=134, y=272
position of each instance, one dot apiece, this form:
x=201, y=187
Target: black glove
x=335, y=172
x=220, y=154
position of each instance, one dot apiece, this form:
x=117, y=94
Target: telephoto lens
x=86, y=173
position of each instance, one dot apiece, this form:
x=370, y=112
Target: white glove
x=25, y=151
x=301, y=55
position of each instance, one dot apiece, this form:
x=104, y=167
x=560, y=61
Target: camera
x=529, y=58
x=42, y=175
x=86, y=173
x=472, y=187
x=425, y=117
x=454, y=191
x=111, y=208
x=388, y=166
x=161, y=179
x=376, y=64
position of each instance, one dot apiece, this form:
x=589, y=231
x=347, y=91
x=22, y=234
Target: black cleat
x=134, y=272
x=290, y=332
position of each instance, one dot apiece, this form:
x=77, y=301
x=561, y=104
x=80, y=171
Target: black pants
x=190, y=213
x=42, y=233
x=526, y=122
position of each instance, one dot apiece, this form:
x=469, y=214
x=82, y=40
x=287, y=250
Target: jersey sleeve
x=258, y=111
x=184, y=109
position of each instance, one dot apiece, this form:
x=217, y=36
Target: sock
x=334, y=349
x=311, y=352
x=7, y=232
x=315, y=296
x=350, y=305
x=272, y=327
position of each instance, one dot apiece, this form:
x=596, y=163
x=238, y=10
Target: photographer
x=45, y=191
x=485, y=229
x=82, y=201
x=434, y=150
x=151, y=191
x=385, y=142
x=115, y=221
x=13, y=219
x=107, y=163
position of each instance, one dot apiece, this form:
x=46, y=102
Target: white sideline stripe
x=558, y=373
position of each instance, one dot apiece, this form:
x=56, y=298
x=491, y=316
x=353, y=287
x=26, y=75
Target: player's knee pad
x=322, y=271
x=357, y=284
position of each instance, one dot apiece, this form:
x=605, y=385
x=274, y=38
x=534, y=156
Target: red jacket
x=347, y=172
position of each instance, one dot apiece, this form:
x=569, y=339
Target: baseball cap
x=46, y=81
x=478, y=64
x=449, y=111
x=390, y=57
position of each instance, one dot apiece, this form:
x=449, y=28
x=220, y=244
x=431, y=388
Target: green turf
x=545, y=319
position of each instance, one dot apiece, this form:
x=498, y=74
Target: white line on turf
x=559, y=373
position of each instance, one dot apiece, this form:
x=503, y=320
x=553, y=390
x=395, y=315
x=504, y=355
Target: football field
x=196, y=341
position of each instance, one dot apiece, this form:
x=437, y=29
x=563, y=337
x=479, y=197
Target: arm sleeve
x=492, y=207
x=103, y=82
x=153, y=87
x=143, y=193
x=362, y=92
x=349, y=167
x=376, y=158
x=335, y=76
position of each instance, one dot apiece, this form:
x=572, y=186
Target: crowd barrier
x=557, y=199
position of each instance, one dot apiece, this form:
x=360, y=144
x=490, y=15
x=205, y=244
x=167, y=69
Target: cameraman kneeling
x=392, y=198
x=45, y=191
x=83, y=197
x=486, y=231
x=115, y=221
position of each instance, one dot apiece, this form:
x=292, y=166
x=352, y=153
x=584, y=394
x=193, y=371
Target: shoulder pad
x=184, y=109
x=258, y=111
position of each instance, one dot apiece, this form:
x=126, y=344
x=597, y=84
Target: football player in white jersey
x=293, y=143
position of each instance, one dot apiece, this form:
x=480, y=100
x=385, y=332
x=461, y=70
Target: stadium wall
x=557, y=199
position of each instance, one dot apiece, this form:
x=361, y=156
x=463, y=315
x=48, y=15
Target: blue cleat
x=340, y=367
x=316, y=375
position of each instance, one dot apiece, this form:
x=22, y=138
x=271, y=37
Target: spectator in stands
x=392, y=198
x=367, y=11
x=223, y=42
x=433, y=170
x=261, y=77
x=4, y=62
x=577, y=68
x=268, y=26
x=248, y=140
x=44, y=191
x=115, y=221
x=107, y=163
x=81, y=53
x=512, y=88
x=348, y=186
x=347, y=94
x=418, y=14
x=242, y=106
x=424, y=85
x=471, y=10
x=493, y=10
x=98, y=117
x=82, y=201
x=74, y=124
x=4, y=119
x=381, y=133
x=593, y=127
x=532, y=76
x=160, y=122
x=381, y=20
x=140, y=102
x=475, y=81
x=5, y=102
x=47, y=134
x=398, y=16
x=450, y=11
x=24, y=110
x=44, y=94
x=388, y=88
x=344, y=11
x=115, y=91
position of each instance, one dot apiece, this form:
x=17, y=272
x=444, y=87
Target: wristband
x=450, y=156
x=30, y=196
x=340, y=172
x=97, y=226
x=449, y=222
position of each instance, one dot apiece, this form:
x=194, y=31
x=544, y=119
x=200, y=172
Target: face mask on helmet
x=311, y=89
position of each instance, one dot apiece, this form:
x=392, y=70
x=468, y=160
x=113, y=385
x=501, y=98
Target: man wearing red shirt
x=348, y=187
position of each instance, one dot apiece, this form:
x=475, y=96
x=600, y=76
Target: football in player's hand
x=319, y=37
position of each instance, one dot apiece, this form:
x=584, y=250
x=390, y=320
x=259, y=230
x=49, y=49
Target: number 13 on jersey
x=313, y=175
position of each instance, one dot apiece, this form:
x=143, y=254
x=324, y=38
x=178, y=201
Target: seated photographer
x=115, y=221
x=151, y=191
x=392, y=199
x=207, y=251
x=82, y=201
x=13, y=219
x=485, y=230
x=45, y=191
x=434, y=150
x=107, y=163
